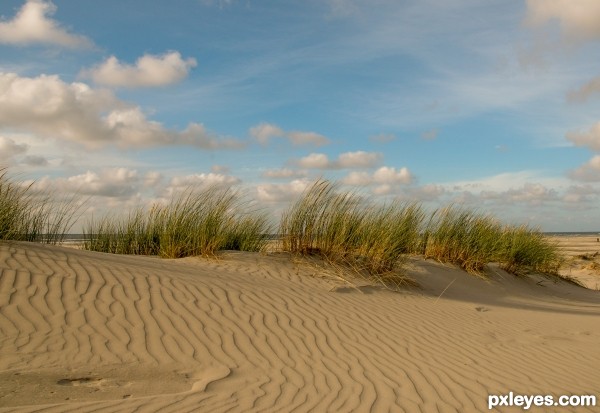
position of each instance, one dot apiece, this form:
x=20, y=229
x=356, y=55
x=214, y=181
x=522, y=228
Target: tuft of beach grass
x=343, y=228
x=30, y=215
x=197, y=222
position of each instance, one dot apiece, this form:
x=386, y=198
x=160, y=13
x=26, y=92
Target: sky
x=494, y=105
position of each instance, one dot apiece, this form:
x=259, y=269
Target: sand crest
x=83, y=332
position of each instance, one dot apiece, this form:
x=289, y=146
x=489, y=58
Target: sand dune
x=92, y=332
x=582, y=258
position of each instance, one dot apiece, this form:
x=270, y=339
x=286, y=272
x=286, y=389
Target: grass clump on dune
x=344, y=229
x=27, y=215
x=473, y=240
x=198, y=222
x=527, y=249
x=462, y=237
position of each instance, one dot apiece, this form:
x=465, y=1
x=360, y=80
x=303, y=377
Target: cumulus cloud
x=264, y=132
x=283, y=173
x=578, y=20
x=577, y=194
x=315, y=161
x=111, y=183
x=9, y=148
x=590, y=139
x=429, y=192
x=385, y=178
x=271, y=193
x=32, y=25
x=74, y=112
x=35, y=160
x=590, y=171
x=307, y=138
x=530, y=193
x=347, y=160
x=148, y=71
x=203, y=180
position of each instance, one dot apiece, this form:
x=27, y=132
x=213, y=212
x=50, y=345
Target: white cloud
x=580, y=194
x=590, y=139
x=358, y=178
x=112, y=183
x=148, y=71
x=218, y=169
x=264, y=132
x=578, y=19
x=315, y=161
x=9, y=148
x=590, y=171
x=31, y=25
x=530, y=193
x=347, y=160
x=358, y=159
x=35, y=160
x=271, y=193
x=180, y=183
x=387, y=175
x=152, y=179
x=74, y=112
x=385, y=178
x=283, y=173
x=430, y=192
x=307, y=138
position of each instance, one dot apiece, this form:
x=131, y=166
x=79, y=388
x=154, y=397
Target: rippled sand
x=92, y=332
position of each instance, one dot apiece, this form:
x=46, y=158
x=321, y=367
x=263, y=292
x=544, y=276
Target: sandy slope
x=90, y=332
x=582, y=254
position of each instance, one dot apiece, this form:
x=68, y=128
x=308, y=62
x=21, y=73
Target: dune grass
x=28, y=215
x=462, y=237
x=340, y=226
x=345, y=229
x=527, y=249
x=198, y=222
x=472, y=240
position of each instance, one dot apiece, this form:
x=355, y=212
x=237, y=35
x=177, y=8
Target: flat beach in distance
x=84, y=331
x=582, y=257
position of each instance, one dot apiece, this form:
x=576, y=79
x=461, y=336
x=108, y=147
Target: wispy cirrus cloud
x=32, y=25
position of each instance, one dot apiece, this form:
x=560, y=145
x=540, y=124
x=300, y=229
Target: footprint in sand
x=81, y=381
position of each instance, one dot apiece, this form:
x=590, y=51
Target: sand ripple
x=90, y=332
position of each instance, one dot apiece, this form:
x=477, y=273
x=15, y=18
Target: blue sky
x=491, y=104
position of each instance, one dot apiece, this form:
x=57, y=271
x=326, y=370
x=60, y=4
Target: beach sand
x=92, y=332
x=582, y=258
